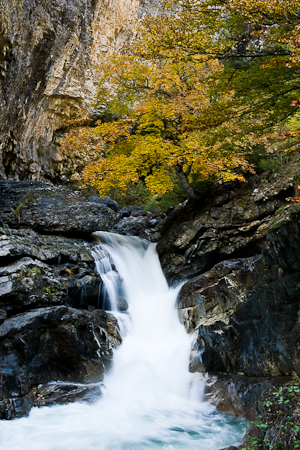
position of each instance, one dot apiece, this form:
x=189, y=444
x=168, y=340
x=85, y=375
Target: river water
x=150, y=400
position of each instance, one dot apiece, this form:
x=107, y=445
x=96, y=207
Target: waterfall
x=150, y=399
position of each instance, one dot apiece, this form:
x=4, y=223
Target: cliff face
x=49, y=54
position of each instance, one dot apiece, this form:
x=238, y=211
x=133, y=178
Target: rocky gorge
x=236, y=250
x=240, y=298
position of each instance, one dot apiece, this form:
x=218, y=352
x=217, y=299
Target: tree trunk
x=188, y=189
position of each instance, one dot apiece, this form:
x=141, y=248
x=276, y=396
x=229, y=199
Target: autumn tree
x=257, y=41
x=201, y=85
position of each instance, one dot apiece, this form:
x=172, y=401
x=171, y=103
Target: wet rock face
x=43, y=338
x=216, y=294
x=136, y=222
x=239, y=395
x=43, y=278
x=246, y=311
x=59, y=393
x=49, y=52
x=108, y=321
x=271, y=403
x=47, y=344
x=38, y=271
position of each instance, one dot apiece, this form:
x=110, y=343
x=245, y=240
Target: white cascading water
x=150, y=399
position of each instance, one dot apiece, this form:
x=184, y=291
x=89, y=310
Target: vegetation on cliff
x=278, y=425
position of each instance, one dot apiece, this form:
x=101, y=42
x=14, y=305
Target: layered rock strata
x=51, y=327
x=240, y=252
x=50, y=209
x=245, y=311
x=54, y=336
x=228, y=224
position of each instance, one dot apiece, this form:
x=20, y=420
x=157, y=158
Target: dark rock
x=246, y=312
x=271, y=403
x=110, y=324
x=131, y=226
x=42, y=271
x=62, y=393
x=195, y=239
x=135, y=211
x=16, y=407
x=140, y=224
x=124, y=212
x=239, y=395
x=48, y=344
x=216, y=294
x=57, y=249
x=122, y=304
x=3, y=316
x=43, y=207
x=105, y=201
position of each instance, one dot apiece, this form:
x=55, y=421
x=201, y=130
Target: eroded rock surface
x=216, y=294
x=51, y=209
x=43, y=270
x=246, y=311
x=49, y=54
x=43, y=338
x=198, y=236
x=47, y=344
x=239, y=395
x=135, y=222
x=59, y=393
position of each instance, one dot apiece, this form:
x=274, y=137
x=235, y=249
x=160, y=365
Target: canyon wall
x=50, y=53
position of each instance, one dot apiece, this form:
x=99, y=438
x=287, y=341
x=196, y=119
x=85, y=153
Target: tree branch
x=186, y=186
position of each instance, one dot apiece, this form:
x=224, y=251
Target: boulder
x=47, y=248
x=122, y=304
x=59, y=393
x=135, y=222
x=48, y=344
x=216, y=294
x=105, y=201
x=108, y=321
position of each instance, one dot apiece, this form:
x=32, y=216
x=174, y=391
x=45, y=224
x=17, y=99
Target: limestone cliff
x=49, y=54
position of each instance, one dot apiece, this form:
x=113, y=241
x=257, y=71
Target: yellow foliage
x=199, y=87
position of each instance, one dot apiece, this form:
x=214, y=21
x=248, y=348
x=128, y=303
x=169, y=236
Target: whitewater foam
x=150, y=399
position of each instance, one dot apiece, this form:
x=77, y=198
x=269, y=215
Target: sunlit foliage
x=199, y=87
